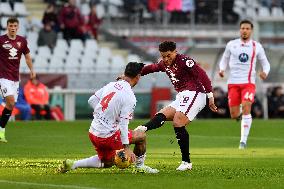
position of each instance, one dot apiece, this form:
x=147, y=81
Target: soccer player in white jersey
x=113, y=108
x=241, y=55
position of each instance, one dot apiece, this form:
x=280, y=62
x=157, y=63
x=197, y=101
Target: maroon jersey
x=184, y=74
x=10, y=56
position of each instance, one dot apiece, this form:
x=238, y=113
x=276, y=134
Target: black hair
x=133, y=69
x=12, y=20
x=167, y=46
x=246, y=22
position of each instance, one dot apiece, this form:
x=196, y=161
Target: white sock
x=245, y=127
x=93, y=161
x=2, y=129
x=140, y=160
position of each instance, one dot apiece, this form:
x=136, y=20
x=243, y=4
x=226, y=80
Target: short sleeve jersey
x=10, y=56
x=116, y=101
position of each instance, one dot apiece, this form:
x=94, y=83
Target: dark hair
x=133, y=69
x=246, y=22
x=12, y=20
x=167, y=46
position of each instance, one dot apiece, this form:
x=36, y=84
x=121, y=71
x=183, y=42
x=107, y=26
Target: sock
x=93, y=161
x=140, y=160
x=182, y=137
x=245, y=127
x=5, y=117
x=157, y=121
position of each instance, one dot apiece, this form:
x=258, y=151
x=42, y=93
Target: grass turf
x=35, y=150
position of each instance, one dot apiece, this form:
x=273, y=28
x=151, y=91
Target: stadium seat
x=72, y=65
x=56, y=65
x=263, y=12
x=133, y=58
x=87, y=65
x=41, y=64
x=44, y=51
x=100, y=11
x=105, y=51
x=76, y=44
x=6, y=10
x=102, y=64
x=85, y=9
x=277, y=12
x=117, y=64
x=23, y=67
x=20, y=9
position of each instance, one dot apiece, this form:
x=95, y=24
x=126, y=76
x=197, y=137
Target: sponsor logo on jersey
x=243, y=57
x=7, y=46
x=13, y=53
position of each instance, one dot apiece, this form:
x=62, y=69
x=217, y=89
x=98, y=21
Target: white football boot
x=184, y=166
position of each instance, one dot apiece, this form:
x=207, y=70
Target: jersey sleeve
x=26, y=49
x=261, y=57
x=126, y=115
x=95, y=98
x=198, y=73
x=225, y=58
x=151, y=68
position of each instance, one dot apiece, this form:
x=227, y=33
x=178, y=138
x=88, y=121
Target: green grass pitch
x=35, y=149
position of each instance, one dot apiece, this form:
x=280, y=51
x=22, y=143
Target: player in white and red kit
x=241, y=55
x=12, y=46
x=192, y=84
x=113, y=106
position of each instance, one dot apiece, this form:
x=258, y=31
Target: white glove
x=141, y=128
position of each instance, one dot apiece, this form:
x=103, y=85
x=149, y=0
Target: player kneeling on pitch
x=113, y=106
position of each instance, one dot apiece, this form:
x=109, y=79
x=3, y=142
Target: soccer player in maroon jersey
x=12, y=46
x=192, y=85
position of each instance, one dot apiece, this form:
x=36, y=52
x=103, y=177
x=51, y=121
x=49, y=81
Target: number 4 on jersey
x=106, y=100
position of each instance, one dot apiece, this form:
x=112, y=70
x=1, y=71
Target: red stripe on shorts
x=194, y=98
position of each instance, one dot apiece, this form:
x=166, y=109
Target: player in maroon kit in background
x=12, y=46
x=192, y=85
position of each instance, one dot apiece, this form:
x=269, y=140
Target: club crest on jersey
x=19, y=44
x=7, y=46
x=243, y=57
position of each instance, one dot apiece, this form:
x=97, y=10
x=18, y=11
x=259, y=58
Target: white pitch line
x=46, y=185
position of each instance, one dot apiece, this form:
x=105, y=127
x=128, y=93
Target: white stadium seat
x=5, y=9
x=117, y=64
x=20, y=9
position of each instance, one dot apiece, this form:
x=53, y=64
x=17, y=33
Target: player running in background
x=192, y=85
x=12, y=46
x=113, y=106
x=241, y=55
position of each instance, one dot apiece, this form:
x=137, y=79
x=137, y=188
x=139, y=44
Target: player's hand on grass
x=212, y=105
x=262, y=75
x=129, y=154
x=221, y=73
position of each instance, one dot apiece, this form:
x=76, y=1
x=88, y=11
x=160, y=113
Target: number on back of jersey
x=106, y=100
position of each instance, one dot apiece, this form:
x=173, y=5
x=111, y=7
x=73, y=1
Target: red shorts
x=237, y=93
x=106, y=147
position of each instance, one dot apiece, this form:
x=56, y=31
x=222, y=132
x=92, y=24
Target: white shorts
x=189, y=102
x=9, y=88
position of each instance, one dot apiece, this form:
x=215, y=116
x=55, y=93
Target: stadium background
x=131, y=31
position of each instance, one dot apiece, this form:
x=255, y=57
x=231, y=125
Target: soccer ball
x=120, y=159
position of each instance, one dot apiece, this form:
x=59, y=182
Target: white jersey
x=113, y=108
x=242, y=59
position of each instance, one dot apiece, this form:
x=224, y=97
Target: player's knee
x=10, y=105
x=235, y=115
